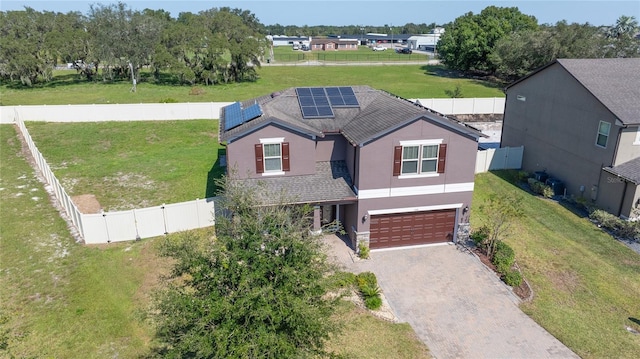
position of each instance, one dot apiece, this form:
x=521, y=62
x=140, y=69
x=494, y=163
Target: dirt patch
x=564, y=280
x=87, y=203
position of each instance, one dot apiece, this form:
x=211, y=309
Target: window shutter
x=285, y=156
x=442, y=155
x=259, y=159
x=397, y=160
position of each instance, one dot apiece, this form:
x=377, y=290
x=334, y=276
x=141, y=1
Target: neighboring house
x=331, y=44
x=393, y=173
x=578, y=120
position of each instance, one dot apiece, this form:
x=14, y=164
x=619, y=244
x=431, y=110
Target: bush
x=513, y=278
x=540, y=188
x=363, y=251
x=504, y=257
x=366, y=279
x=523, y=176
x=480, y=235
x=373, y=303
x=619, y=226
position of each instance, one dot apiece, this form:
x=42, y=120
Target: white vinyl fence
x=129, y=225
x=464, y=106
x=115, y=112
x=499, y=159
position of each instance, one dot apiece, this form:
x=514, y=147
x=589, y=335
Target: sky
x=367, y=12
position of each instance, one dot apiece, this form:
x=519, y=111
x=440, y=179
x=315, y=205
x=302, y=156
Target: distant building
x=334, y=43
x=425, y=41
x=281, y=40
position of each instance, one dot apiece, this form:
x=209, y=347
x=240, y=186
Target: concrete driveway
x=457, y=306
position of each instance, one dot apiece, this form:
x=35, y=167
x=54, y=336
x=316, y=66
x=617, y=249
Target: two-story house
x=392, y=172
x=578, y=120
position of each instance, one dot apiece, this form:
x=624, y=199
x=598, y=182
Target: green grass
x=132, y=164
x=408, y=81
x=586, y=284
x=60, y=299
x=364, y=336
x=363, y=54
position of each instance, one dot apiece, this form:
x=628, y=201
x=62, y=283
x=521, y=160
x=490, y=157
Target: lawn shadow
x=635, y=320
x=215, y=173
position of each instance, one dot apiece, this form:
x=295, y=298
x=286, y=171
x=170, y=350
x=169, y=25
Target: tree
x=24, y=55
x=621, y=38
x=499, y=213
x=467, y=43
x=256, y=290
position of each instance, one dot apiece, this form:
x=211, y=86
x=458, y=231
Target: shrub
x=540, y=188
x=373, y=303
x=480, y=235
x=523, y=176
x=513, y=278
x=620, y=227
x=363, y=251
x=366, y=279
x=504, y=257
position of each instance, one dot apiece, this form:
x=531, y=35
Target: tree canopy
x=468, y=41
x=257, y=290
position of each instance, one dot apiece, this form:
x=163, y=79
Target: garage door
x=408, y=229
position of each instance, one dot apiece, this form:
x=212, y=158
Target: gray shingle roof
x=330, y=183
x=629, y=170
x=614, y=82
x=379, y=113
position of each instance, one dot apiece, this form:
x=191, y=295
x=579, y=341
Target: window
x=413, y=158
x=272, y=156
x=603, y=134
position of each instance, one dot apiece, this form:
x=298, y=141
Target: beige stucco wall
x=628, y=148
x=558, y=124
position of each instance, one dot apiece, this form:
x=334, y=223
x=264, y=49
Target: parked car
x=378, y=48
x=305, y=48
x=296, y=47
x=404, y=50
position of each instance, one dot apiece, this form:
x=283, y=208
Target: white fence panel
x=464, y=106
x=121, y=226
x=95, y=229
x=181, y=216
x=113, y=112
x=206, y=211
x=499, y=159
x=150, y=221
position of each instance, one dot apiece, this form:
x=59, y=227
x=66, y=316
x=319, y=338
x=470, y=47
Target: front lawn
x=586, y=284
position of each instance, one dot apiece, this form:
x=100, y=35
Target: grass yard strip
x=61, y=299
x=132, y=164
x=408, y=81
x=586, y=284
x=365, y=336
x=286, y=54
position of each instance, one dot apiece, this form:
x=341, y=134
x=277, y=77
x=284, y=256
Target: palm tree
x=626, y=26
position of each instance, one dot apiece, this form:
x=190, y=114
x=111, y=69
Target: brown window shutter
x=259, y=159
x=285, y=156
x=442, y=156
x=397, y=160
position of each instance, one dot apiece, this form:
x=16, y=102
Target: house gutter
x=624, y=194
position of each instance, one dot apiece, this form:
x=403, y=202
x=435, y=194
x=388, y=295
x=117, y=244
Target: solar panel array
x=319, y=102
x=235, y=115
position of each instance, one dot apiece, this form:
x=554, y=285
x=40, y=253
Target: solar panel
x=314, y=103
x=251, y=112
x=342, y=97
x=232, y=116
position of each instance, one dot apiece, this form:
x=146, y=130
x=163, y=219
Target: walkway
x=457, y=306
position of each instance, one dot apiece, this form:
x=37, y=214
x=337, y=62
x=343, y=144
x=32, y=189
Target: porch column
x=317, y=228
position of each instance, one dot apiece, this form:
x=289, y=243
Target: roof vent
x=275, y=94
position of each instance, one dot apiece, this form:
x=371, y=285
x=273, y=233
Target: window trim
x=420, y=144
x=636, y=142
x=606, y=142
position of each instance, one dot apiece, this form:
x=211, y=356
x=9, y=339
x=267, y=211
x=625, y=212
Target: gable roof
x=378, y=113
x=629, y=171
x=613, y=82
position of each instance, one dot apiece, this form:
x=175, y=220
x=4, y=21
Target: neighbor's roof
x=629, y=171
x=378, y=114
x=614, y=82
